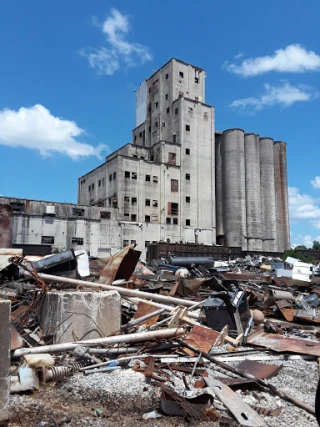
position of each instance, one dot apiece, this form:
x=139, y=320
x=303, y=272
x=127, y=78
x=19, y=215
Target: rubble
x=159, y=340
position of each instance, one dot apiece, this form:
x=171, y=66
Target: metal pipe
x=125, y=350
x=165, y=307
x=142, y=319
x=136, y=337
x=122, y=291
x=96, y=371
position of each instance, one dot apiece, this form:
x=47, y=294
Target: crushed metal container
x=228, y=308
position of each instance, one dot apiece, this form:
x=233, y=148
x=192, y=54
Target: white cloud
x=316, y=182
x=293, y=59
x=37, y=129
x=303, y=240
x=303, y=206
x=119, y=51
x=284, y=95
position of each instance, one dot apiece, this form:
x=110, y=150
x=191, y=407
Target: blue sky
x=68, y=71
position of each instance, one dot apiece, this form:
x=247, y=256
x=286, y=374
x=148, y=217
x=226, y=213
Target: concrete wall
x=5, y=226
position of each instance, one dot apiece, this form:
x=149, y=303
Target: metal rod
x=142, y=319
x=136, y=337
x=165, y=307
x=95, y=371
x=244, y=374
x=122, y=291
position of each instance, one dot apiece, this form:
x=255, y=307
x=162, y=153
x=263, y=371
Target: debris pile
x=195, y=338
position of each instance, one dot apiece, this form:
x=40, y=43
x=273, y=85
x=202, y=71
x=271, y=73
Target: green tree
x=316, y=245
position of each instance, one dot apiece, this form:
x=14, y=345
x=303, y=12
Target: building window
x=147, y=218
x=181, y=74
x=188, y=128
x=174, y=185
x=126, y=199
x=196, y=79
x=133, y=200
x=148, y=178
x=92, y=186
x=187, y=221
x=156, y=123
x=77, y=241
x=187, y=199
x=174, y=209
x=135, y=137
x=176, y=111
x=125, y=242
x=126, y=215
x=149, y=129
x=146, y=243
x=156, y=104
x=127, y=174
x=114, y=175
x=167, y=76
x=133, y=242
x=187, y=176
x=134, y=175
x=77, y=212
x=196, y=76
x=168, y=220
x=149, y=92
x=89, y=188
x=174, y=138
x=105, y=215
x=140, y=134
x=133, y=217
x=47, y=240
x=147, y=202
x=110, y=177
x=155, y=179
x=168, y=110
x=17, y=206
x=190, y=110
x=175, y=221
x=155, y=203
x=167, y=96
x=172, y=158
x=99, y=183
x=188, y=151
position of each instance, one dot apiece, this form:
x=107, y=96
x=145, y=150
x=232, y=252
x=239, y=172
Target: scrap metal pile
x=177, y=321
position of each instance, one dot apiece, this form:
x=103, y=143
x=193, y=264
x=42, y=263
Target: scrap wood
x=263, y=383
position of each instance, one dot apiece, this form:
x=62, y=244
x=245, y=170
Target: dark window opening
x=181, y=74
x=114, y=175
x=127, y=174
x=156, y=104
x=188, y=128
x=156, y=123
x=135, y=137
x=174, y=209
x=190, y=110
x=155, y=179
x=126, y=199
x=147, y=218
x=172, y=158
x=174, y=138
x=77, y=241
x=167, y=76
x=155, y=203
x=110, y=177
x=167, y=96
x=168, y=110
x=77, y=212
x=176, y=111
x=133, y=217
x=133, y=200
x=134, y=175
x=92, y=186
x=149, y=129
x=140, y=134
x=89, y=188
x=187, y=221
x=168, y=220
x=196, y=79
x=188, y=151
x=18, y=206
x=99, y=183
x=187, y=176
x=148, y=178
x=174, y=185
x=149, y=89
x=147, y=243
x=105, y=215
x=126, y=214
x=133, y=242
x=47, y=240
x=187, y=199
x=175, y=221
x=125, y=242
x=147, y=202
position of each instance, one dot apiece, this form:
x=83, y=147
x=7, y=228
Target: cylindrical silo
x=234, y=188
x=281, y=149
x=267, y=188
x=253, y=195
x=219, y=190
x=279, y=198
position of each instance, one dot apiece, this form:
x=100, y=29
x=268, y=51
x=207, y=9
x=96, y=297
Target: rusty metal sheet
x=281, y=343
x=16, y=339
x=288, y=313
x=19, y=312
x=259, y=370
x=120, y=266
x=237, y=382
x=189, y=287
x=143, y=309
x=202, y=338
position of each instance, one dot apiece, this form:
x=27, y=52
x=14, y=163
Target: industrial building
x=178, y=181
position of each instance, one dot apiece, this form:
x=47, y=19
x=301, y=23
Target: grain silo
x=219, y=189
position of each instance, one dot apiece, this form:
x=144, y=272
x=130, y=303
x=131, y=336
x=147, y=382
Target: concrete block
x=72, y=316
x=5, y=310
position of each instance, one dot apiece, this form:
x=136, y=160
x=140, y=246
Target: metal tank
x=268, y=201
x=219, y=189
x=234, y=188
x=279, y=198
x=253, y=195
x=280, y=148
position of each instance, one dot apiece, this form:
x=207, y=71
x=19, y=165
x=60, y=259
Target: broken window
x=92, y=186
x=99, y=184
x=175, y=221
x=148, y=178
x=196, y=76
x=105, y=215
x=181, y=74
x=190, y=110
x=187, y=221
x=167, y=96
x=89, y=188
x=187, y=199
x=174, y=138
x=77, y=212
x=133, y=200
x=174, y=185
x=174, y=209
x=125, y=242
x=133, y=217
x=167, y=76
x=147, y=202
x=176, y=111
x=156, y=104
x=168, y=110
x=17, y=206
x=187, y=176
x=110, y=177
x=172, y=158
x=127, y=174
x=47, y=240
x=77, y=241
x=135, y=137
x=126, y=199
x=168, y=220
x=155, y=203
x=126, y=215
x=140, y=134
x=134, y=175
x=133, y=242
x=155, y=179
x=114, y=175
x=187, y=151
x=146, y=243
x=188, y=128
x=147, y=218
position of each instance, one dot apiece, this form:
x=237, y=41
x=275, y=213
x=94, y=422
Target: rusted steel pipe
x=136, y=337
x=122, y=291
